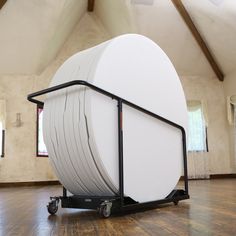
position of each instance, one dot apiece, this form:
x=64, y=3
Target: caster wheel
x=52, y=207
x=105, y=210
x=176, y=203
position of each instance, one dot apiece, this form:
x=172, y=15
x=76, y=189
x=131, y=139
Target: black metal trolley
x=119, y=203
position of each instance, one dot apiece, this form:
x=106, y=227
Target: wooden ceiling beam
x=90, y=5
x=2, y=2
x=186, y=17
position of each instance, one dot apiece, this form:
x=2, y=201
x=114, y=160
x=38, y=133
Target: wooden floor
x=210, y=211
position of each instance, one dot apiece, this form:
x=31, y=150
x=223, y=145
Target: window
x=197, y=131
x=41, y=148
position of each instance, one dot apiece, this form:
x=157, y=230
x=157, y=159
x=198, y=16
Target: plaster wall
x=230, y=89
x=210, y=90
x=230, y=83
x=20, y=162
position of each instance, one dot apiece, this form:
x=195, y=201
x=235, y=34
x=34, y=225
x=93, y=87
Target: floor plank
x=210, y=211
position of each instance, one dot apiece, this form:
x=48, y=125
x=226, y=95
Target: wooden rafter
x=186, y=17
x=91, y=5
x=2, y=2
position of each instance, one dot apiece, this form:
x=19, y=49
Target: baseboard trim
x=215, y=176
x=31, y=183
x=56, y=182
x=222, y=176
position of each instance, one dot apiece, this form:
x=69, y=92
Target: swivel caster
x=105, y=209
x=53, y=206
x=176, y=203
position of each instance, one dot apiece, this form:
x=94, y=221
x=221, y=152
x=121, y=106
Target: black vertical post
x=3, y=143
x=120, y=147
x=64, y=192
x=207, y=148
x=185, y=161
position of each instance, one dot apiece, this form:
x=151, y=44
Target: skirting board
x=56, y=182
x=31, y=183
x=216, y=176
x=222, y=176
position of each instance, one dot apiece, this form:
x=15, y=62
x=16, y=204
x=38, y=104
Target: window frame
x=3, y=144
x=207, y=148
x=37, y=132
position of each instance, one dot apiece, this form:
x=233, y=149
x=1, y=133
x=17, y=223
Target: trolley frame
x=119, y=203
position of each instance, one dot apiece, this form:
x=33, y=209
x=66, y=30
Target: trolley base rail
x=107, y=205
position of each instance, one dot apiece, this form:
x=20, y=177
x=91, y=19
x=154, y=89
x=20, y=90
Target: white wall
x=230, y=83
x=212, y=93
x=20, y=162
x=230, y=89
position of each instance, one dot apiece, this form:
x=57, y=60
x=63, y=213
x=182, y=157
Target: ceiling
x=32, y=32
x=217, y=24
x=159, y=20
x=162, y=23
